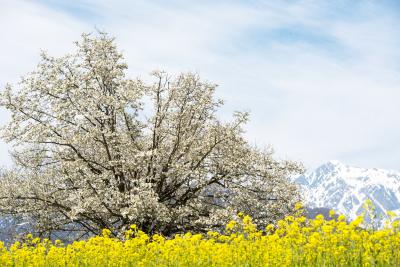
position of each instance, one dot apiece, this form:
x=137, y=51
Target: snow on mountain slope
x=344, y=188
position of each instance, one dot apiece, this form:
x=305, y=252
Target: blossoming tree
x=94, y=149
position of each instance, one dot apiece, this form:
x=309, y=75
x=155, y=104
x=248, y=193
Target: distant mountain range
x=344, y=188
x=333, y=185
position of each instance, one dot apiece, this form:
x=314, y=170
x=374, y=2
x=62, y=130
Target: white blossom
x=86, y=154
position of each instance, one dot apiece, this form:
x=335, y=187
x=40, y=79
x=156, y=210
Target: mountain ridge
x=345, y=188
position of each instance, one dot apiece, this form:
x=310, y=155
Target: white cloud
x=312, y=99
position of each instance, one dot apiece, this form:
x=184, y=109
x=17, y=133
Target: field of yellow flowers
x=294, y=241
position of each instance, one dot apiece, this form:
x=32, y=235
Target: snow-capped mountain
x=344, y=188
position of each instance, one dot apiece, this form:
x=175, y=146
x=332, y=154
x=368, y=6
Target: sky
x=321, y=79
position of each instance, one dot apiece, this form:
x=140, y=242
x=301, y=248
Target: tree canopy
x=94, y=149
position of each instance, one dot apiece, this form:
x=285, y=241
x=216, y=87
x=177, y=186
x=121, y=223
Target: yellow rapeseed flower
x=293, y=241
